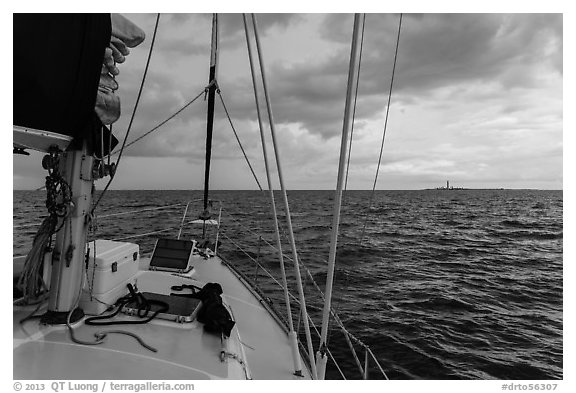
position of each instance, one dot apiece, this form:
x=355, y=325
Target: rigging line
x=141, y=210
x=344, y=331
x=133, y=114
x=384, y=132
x=337, y=305
x=309, y=275
x=377, y=363
x=355, y=99
x=153, y=232
x=327, y=349
x=238, y=139
x=255, y=261
x=109, y=146
x=292, y=334
x=284, y=196
x=346, y=125
x=163, y=122
x=293, y=298
x=28, y=225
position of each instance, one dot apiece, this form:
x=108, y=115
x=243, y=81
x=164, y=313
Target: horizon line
x=321, y=189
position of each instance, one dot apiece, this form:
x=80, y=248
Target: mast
x=210, y=117
x=69, y=252
x=321, y=357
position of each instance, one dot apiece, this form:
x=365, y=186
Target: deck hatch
x=180, y=309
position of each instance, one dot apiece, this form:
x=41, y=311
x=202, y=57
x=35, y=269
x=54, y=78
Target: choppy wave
x=441, y=285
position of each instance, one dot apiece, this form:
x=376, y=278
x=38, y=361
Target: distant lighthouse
x=447, y=184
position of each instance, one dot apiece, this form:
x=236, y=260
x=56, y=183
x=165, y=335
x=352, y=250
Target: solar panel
x=172, y=255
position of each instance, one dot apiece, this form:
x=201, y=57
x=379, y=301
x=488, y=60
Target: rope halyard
x=58, y=204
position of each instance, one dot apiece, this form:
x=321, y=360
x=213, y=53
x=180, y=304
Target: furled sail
x=63, y=70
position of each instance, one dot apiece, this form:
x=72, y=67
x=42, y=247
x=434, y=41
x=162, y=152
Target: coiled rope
x=31, y=281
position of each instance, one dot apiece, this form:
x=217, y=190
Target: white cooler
x=115, y=265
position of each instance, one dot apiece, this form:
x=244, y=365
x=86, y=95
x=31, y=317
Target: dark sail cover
x=57, y=64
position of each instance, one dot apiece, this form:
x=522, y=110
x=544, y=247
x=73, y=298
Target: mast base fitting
x=60, y=317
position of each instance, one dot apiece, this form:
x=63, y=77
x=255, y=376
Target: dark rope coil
x=58, y=203
x=58, y=191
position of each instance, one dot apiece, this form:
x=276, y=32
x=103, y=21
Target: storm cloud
x=477, y=98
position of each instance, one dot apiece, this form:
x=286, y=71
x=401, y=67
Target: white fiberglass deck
x=258, y=346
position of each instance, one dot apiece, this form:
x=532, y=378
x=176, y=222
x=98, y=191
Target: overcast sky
x=477, y=100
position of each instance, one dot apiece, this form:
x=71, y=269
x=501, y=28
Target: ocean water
x=443, y=285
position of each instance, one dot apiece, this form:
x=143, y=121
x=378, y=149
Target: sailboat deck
x=258, y=346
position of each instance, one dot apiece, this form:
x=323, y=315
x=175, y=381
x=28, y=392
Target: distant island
x=450, y=188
